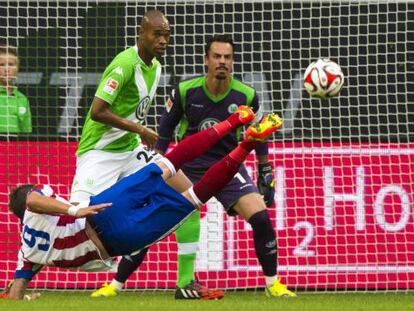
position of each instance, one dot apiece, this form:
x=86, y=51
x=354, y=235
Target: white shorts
x=97, y=170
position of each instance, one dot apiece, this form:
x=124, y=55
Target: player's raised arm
x=42, y=204
x=35, y=201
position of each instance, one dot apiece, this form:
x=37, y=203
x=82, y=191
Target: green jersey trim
x=213, y=98
x=245, y=89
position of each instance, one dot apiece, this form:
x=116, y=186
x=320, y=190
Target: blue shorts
x=240, y=185
x=144, y=210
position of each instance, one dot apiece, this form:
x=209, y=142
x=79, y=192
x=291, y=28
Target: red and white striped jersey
x=56, y=240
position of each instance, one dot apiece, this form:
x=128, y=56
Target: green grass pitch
x=233, y=301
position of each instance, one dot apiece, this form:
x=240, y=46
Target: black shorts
x=240, y=185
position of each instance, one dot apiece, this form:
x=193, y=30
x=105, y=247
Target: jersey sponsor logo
x=142, y=108
x=110, y=86
x=232, y=108
x=207, y=123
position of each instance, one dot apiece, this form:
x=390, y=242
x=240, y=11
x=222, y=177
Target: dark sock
x=264, y=242
x=128, y=265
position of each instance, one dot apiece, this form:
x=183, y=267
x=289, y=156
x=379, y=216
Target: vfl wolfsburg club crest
x=207, y=123
x=142, y=108
x=232, y=108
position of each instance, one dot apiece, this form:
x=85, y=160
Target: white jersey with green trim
x=129, y=86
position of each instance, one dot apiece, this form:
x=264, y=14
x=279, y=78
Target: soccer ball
x=323, y=78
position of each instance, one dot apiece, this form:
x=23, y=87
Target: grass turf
x=233, y=301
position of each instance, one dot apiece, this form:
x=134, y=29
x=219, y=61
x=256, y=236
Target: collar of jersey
x=3, y=90
x=218, y=98
x=141, y=62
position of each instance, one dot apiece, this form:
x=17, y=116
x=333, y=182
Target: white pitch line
x=341, y=151
x=336, y=268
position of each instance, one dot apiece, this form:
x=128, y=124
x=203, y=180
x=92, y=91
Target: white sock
x=117, y=285
x=270, y=280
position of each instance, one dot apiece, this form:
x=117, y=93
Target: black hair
x=17, y=199
x=219, y=38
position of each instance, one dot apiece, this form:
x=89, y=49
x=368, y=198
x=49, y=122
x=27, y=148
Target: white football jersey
x=57, y=240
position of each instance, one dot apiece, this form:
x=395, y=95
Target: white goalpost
x=344, y=167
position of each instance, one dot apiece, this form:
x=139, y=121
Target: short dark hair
x=17, y=199
x=219, y=38
x=7, y=49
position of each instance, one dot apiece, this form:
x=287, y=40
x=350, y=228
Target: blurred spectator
x=15, y=115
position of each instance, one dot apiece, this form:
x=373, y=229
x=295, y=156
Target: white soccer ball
x=323, y=78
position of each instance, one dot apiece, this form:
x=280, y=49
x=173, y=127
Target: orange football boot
x=246, y=114
x=263, y=129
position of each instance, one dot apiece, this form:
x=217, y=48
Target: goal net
x=344, y=167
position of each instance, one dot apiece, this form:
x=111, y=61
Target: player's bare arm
x=101, y=112
x=18, y=289
x=45, y=205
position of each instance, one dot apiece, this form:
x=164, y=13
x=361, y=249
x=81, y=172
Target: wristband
x=72, y=210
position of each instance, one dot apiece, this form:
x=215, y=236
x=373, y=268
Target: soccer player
x=197, y=104
x=110, y=147
x=129, y=216
x=15, y=115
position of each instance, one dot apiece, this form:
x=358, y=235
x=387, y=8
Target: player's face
x=156, y=37
x=8, y=68
x=219, y=60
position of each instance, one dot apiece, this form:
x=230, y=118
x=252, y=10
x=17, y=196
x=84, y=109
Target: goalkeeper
x=197, y=104
x=129, y=216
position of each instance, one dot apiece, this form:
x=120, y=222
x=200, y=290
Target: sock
x=242, y=150
x=270, y=280
x=197, y=144
x=220, y=174
x=187, y=236
x=116, y=285
x=264, y=242
x=126, y=267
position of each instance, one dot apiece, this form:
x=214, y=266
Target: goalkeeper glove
x=266, y=183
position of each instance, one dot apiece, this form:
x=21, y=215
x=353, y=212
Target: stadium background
x=64, y=47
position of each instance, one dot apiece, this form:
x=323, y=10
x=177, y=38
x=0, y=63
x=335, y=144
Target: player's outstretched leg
x=220, y=174
x=191, y=147
x=197, y=144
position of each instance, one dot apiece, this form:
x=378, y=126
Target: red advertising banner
x=343, y=215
